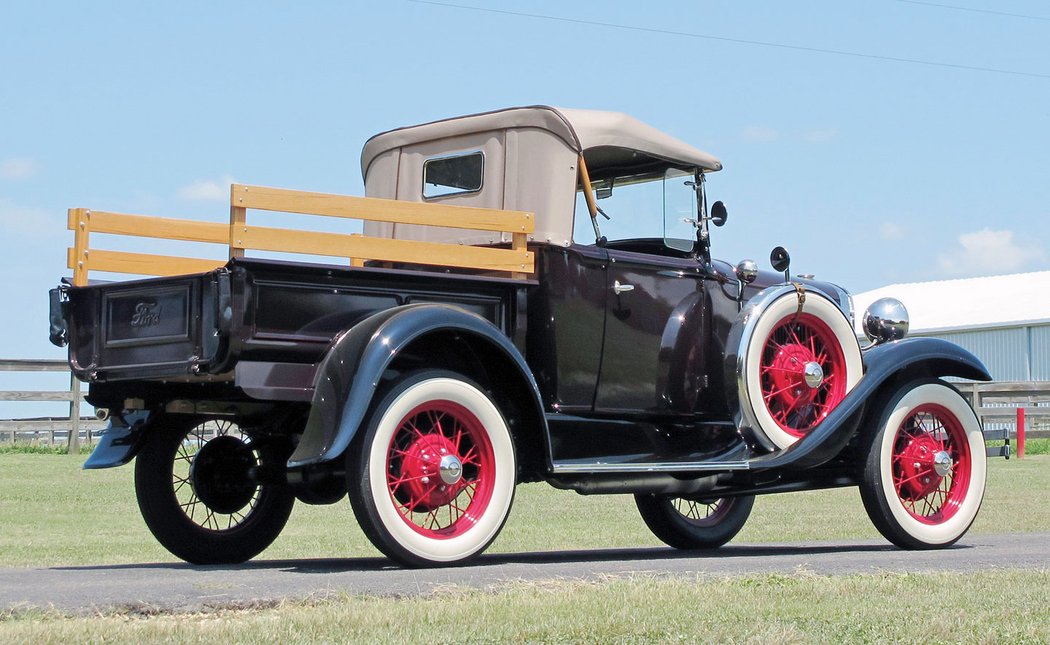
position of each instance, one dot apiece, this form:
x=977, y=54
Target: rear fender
x=904, y=359
x=351, y=371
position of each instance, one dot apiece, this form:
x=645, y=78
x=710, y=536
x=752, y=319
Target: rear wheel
x=924, y=475
x=432, y=478
x=691, y=524
x=195, y=491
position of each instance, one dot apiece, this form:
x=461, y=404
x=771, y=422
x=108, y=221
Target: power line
x=738, y=41
x=971, y=9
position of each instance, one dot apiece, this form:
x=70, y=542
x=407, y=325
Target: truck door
x=652, y=355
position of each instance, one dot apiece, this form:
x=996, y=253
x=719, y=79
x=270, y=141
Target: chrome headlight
x=885, y=319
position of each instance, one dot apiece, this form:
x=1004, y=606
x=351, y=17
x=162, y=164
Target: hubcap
x=814, y=374
x=942, y=463
x=451, y=470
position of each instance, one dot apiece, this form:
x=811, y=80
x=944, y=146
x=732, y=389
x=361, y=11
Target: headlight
x=886, y=319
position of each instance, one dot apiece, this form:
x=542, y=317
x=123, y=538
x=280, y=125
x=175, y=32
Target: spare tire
x=796, y=357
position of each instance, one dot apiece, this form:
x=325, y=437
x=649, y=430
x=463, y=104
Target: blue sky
x=870, y=171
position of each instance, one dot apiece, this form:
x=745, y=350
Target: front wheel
x=432, y=478
x=196, y=493
x=924, y=473
x=691, y=524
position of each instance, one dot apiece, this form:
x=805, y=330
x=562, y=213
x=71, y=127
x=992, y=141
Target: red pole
x=1020, y=433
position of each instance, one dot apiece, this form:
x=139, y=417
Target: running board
x=583, y=468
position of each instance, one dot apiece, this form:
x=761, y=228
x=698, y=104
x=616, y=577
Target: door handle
x=620, y=288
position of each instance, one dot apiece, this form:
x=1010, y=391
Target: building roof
x=582, y=130
x=951, y=305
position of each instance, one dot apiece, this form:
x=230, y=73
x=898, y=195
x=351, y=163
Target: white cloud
x=892, y=231
x=989, y=252
x=208, y=190
x=17, y=169
x=820, y=135
x=760, y=134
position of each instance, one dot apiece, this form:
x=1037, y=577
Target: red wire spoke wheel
x=795, y=363
x=925, y=467
x=803, y=373
x=931, y=464
x=694, y=524
x=440, y=469
x=432, y=477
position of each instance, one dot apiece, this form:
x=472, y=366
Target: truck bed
x=198, y=327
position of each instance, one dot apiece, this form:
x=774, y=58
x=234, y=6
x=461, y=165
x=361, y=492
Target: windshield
x=654, y=205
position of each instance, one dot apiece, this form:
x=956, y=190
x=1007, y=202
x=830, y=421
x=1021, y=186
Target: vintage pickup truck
x=533, y=298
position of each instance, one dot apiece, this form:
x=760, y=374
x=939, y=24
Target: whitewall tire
x=432, y=479
x=925, y=469
x=794, y=366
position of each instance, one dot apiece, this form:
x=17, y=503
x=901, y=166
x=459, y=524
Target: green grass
x=54, y=513
x=1036, y=447
x=991, y=607
x=38, y=449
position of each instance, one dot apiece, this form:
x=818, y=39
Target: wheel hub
x=796, y=374
x=924, y=464
x=220, y=474
x=432, y=473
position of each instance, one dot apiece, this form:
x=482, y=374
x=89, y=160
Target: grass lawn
x=1000, y=607
x=53, y=513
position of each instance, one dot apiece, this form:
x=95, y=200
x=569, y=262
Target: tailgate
x=162, y=327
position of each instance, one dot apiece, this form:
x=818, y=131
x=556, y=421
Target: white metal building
x=1004, y=320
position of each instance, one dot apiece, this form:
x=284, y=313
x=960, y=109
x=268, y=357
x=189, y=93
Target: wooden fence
x=71, y=429
x=996, y=405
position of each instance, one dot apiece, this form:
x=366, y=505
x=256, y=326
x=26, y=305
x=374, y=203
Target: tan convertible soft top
x=582, y=130
x=530, y=158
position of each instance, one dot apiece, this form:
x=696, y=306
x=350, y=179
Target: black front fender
x=351, y=371
x=912, y=358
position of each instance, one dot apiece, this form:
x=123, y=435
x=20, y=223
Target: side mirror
x=719, y=214
x=781, y=260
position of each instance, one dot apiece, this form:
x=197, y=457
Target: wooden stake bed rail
x=240, y=236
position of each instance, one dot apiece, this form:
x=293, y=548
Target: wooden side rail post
x=238, y=220
x=79, y=223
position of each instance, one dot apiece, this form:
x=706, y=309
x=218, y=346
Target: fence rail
x=70, y=429
x=996, y=405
